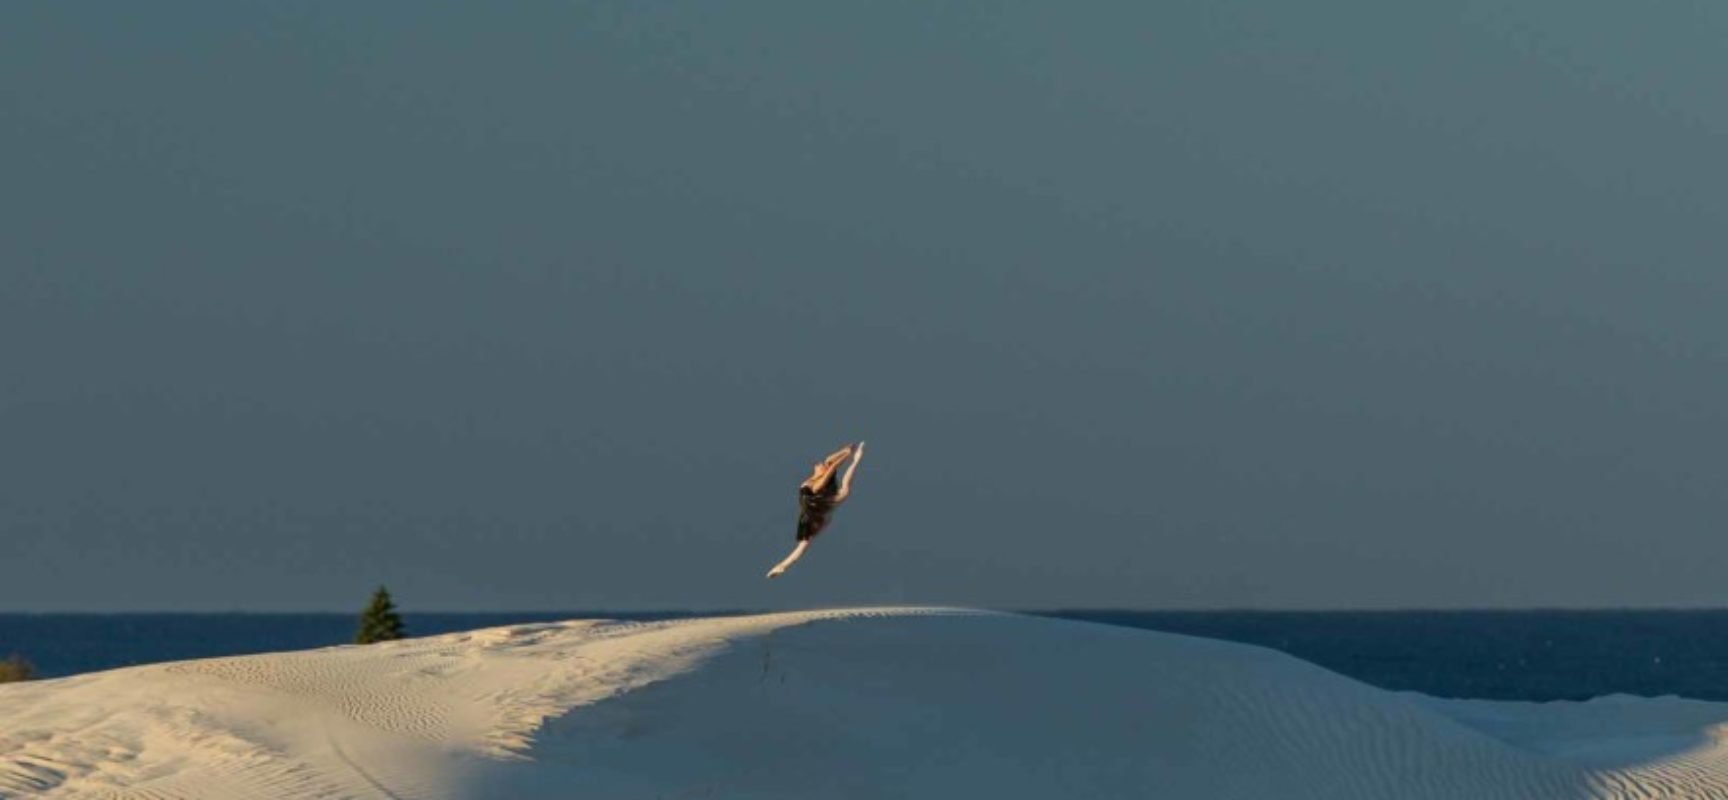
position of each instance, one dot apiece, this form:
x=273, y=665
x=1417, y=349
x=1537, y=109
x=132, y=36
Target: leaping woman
x=818, y=496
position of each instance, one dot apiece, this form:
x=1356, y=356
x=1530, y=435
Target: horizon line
x=692, y=611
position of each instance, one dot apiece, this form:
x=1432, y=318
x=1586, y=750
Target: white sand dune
x=846, y=704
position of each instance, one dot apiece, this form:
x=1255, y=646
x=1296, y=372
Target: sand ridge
x=839, y=703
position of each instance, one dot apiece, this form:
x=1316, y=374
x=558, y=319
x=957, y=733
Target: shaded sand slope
x=856, y=704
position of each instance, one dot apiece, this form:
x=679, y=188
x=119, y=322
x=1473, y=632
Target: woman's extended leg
x=797, y=553
x=846, y=480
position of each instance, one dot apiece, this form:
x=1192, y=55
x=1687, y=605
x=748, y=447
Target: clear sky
x=1219, y=303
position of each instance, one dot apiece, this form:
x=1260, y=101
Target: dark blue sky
x=1242, y=303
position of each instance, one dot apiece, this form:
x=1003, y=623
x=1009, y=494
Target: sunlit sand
x=865, y=703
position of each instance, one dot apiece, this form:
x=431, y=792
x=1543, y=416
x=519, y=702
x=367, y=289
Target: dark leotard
x=814, y=508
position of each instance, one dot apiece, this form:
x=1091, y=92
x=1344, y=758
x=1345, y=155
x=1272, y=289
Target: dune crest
x=847, y=703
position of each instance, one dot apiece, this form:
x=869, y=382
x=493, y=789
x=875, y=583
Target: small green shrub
x=16, y=669
x=380, y=622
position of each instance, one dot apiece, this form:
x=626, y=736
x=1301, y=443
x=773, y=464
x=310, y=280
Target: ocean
x=1503, y=655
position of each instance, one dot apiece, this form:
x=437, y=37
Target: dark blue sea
x=1511, y=655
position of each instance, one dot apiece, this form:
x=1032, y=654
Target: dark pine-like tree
x=380, y=622
x=15, y=668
